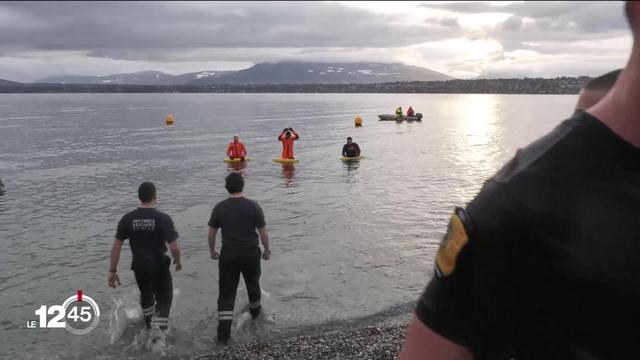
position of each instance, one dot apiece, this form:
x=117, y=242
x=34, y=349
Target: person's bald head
x=596, y=89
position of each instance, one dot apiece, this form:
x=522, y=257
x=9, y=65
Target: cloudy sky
x=462, y=39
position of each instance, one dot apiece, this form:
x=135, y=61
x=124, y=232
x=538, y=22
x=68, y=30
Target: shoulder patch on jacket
x=452, y=243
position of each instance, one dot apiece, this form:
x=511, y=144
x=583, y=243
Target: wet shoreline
x=380, y=341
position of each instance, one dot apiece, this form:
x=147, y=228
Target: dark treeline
x=560, y=85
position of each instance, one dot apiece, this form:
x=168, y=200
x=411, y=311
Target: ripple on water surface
x=350, y=241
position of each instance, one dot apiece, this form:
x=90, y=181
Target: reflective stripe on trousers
x=232, y=264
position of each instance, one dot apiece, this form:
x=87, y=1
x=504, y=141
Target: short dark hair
x=349, y=138
x=603, y=82
x=234, y=183
x=627, y=11
x=146, y=192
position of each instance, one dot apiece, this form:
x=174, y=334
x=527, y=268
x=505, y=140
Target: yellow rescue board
x=236, y=160
x=355, y=158
x=285, y=161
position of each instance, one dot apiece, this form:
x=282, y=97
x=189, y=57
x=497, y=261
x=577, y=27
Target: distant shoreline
x=559, y=85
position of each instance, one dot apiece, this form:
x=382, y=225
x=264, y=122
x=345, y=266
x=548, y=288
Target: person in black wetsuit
x=239, y=218
x=350, y=149
x=543, y=262
x=149, y=231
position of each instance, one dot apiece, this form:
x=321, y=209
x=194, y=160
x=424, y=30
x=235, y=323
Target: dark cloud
x=447, y=23
x=513, y=23
x=543, y=22
x=585, y=17
x=138, y=30
x=39, y=39
x=577, y=16
x=533, y=9
x=464, y=7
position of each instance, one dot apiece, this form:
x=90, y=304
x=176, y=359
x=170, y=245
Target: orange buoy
x=358, y=121
x=169, y=119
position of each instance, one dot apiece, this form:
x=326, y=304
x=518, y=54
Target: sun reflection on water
x=477, y=136
x=479, y=117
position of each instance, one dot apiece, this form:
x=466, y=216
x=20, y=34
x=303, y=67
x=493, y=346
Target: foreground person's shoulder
x=556, y=144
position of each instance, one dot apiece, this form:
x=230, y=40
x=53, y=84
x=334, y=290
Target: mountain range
x=137, y=78
x=287, y=72
x=7, y=83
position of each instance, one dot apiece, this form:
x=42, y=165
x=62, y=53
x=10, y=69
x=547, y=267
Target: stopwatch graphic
x=78, y=314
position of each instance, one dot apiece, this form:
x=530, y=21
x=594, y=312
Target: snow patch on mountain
x=205, y=74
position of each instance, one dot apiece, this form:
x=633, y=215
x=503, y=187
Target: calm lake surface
x=350, y=242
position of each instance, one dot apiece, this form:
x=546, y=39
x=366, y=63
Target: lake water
x=350, y=241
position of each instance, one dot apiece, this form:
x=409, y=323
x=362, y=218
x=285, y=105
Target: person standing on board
x=350, y=149
x=287, y=137
x=543, y=262
x=238, y=218
x=149, y=231
x=236, y=149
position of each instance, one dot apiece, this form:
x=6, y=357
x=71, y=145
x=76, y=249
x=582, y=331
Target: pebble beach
x=376, y=342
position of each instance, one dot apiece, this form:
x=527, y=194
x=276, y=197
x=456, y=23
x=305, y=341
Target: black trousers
x=232, y=263
x=156, y=289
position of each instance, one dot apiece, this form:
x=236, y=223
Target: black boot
x=224, y=331
x=255, y=312
x=147, y=321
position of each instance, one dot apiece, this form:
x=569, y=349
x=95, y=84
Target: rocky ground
x=381, y=341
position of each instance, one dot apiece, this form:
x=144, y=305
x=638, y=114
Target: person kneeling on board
x=238, y=217
x=236, y=149
x=287, y=137
x=350, y=149
x=148, y=231
x=410, y=112
x=399, y=111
